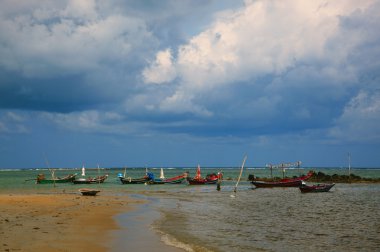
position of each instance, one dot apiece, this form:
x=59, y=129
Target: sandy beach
x=59, y=222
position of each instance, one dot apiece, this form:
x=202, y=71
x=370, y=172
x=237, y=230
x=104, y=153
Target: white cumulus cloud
x=264, y=38
x=161, y=70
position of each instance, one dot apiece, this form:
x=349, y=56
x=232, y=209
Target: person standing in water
x=219, y=183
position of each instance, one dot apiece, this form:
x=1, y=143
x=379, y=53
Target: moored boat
x=90, y=180
x=128, y=180
x=199, y=180
x=287, y=182
x=174, y=180
x=315, y=188
x=41, y=179
x=263, y=184
x=88, y=192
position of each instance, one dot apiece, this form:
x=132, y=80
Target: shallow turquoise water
x=15, y=180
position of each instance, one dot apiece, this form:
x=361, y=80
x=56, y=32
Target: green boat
x=42, y=180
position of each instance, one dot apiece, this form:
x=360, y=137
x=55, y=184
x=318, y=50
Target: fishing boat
x=286, y=182
x=41, y=179
x=174, y=180
x=90, y=180
x=199, y=180
x=315, y=188
x=128, y=180
x=88, y=192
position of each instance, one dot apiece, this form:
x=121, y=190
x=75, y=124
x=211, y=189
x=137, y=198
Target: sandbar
x=60, y=221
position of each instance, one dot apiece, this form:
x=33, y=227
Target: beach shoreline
x=60, y=221
x=136, y=231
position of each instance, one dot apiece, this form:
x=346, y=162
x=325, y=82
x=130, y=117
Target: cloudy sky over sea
x=177, y=83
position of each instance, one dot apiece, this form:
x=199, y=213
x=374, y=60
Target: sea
x=201, y=218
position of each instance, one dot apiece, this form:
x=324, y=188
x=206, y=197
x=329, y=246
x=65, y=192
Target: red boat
x=288, y=182
x=198, y=180
x=316, y=188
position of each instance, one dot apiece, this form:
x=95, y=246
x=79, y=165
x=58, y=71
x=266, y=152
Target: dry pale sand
x=59, y=222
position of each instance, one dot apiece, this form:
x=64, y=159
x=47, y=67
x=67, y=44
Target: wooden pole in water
x=241, y=172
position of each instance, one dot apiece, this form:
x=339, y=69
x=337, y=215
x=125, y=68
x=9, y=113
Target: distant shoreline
x=322, y=177
x=179, y=167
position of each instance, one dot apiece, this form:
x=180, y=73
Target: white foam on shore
x=173, y=242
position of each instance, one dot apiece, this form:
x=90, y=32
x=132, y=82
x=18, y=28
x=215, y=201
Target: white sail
x=83, y=171
x=162, y=176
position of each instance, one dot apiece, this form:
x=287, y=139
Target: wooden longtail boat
x=315, y=188
x=42, y=180
x=174, y=180
x=88, y=192
x=288, y=182
x=96, y=180
x=199, y=180
x=128, y=180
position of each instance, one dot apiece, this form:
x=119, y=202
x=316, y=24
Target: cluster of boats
x=212, y=178
x=150, y=179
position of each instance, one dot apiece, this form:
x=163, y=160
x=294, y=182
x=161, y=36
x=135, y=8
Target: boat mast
x=283, y=170
x=271, y=171
x=241, y=172
x=162, y=176
x=198, y=174
x=98, y=175
x=83, y=171
x=51, y=170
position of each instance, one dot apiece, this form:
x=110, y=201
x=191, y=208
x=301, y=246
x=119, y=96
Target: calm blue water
x=200, y=218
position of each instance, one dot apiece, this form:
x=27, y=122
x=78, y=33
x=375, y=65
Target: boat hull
x=166, y=181
x=316, y=188
x=90, y=180
x=88, y=192
x=134, y=181
x=202, y=181
x=67, y=179
x=263, y=184
x=287, y=182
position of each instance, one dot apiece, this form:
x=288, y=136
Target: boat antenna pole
x=241, y=172
x=283, y=170
x=270, y=166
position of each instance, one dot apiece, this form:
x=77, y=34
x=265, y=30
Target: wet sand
x=136, y=233
x=60, y=222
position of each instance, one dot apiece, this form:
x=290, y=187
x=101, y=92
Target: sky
x=178, y=83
